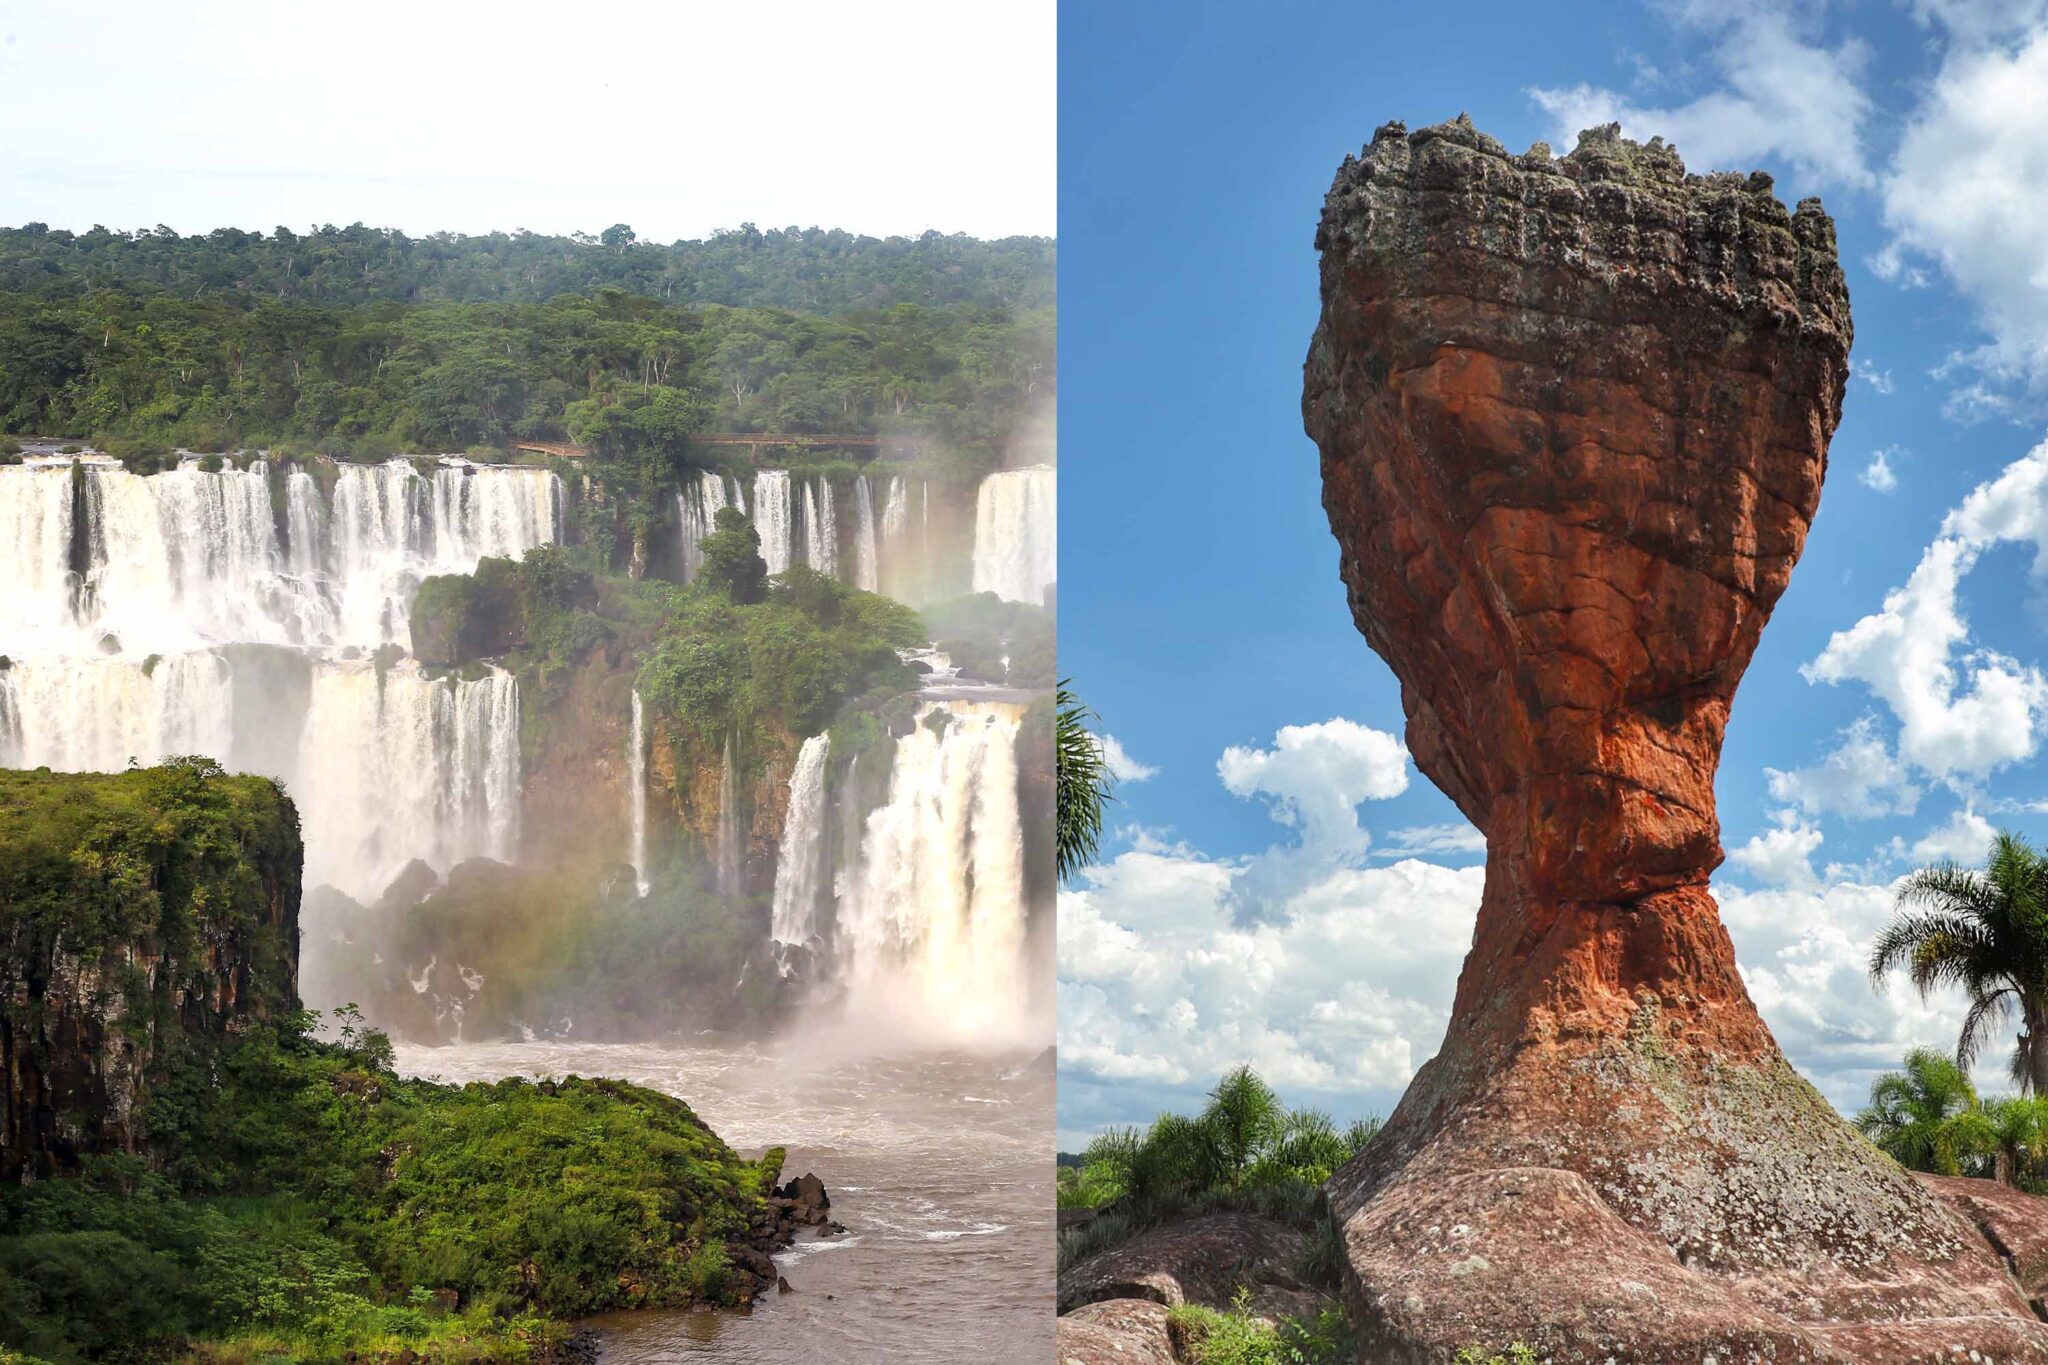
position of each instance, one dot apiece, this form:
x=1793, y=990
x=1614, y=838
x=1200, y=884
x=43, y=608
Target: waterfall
x=800, y=866
x=773, y=515
x=867, y=574
x=636, y=779
x=1015, y=540
x=697, y=507
x=931, y=923
x=403, y=766
x=36, y=583
x=821, y=528
x=146, y=617
x=728, y=826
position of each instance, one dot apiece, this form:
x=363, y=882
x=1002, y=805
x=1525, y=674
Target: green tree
x=732, y=562
x=1245, y=1119
x=2019, y=1133
x=1926, y=1117
x=1084, y=784
x=1987, y=933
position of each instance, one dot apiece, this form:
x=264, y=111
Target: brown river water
x=939, y=1164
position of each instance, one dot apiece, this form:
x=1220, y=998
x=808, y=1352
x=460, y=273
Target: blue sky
x=1284, y=888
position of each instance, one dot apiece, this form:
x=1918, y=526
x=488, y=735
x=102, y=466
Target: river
x=938, y=1164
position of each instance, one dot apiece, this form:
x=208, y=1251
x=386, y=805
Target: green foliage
x=721, y=667
x=1928, y=1117
x=732, y=563
x=1985, y=933
x=1242, y=1337
x=316, y=1206
x=1085, y=786
x=979, y=632
x=1245, y=1150
x=1517, y=1354
x=633, y=375
x=814, y=269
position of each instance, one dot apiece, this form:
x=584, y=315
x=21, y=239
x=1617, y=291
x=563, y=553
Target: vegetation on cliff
x=815, y=270
x=268, y=1195
x=378, y=378
x=134, y=909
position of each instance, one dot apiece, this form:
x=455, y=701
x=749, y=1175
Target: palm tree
x=1084, y=783
x=1245, y=1120
x=1926, y=1117
x=1986, y=932
x=2019, y=1127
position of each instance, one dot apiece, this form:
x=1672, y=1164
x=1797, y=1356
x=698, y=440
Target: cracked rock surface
x=1574, y=415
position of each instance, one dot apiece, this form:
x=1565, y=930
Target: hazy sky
x=676, y=118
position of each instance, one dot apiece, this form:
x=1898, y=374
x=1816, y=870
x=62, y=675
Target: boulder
x=1115, y=1332
x=1203, y=1259
x=1573, y=417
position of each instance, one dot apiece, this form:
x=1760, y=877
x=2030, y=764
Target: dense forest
x=363, y=343
x=814, y=270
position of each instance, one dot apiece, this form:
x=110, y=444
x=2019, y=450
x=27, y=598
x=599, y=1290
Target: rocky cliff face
x=138, y=911
x=1574, y=416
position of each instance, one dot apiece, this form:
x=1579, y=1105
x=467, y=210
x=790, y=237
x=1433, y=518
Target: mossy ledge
x=195, y=1174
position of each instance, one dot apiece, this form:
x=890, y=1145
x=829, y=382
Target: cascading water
x=1015, y=534
x=867, y=569
x=800, y=867
x=697, y=508
x=773, y=517
x=636, y=779
x=931, y=925
x=821, y=528
x=152, y=616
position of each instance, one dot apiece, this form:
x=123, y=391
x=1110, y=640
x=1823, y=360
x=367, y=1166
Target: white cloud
x=1121, y=765
x=1315, y=775
x=1972, y=23
x=1962, y=840
x=1860, y=779
x=1785, y=97
x=1961, y=711
x=1880, y=381
x=1878, y=473
x=1967, y=190
x=1322, y=972
x=1782, y=856
x=1805, y=956
x=1347, y=986
x=1423, y=840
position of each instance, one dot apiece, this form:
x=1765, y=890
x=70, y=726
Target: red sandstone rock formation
x=1574, y=417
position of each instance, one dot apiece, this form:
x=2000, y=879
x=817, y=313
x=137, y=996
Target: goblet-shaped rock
x=1574, y=417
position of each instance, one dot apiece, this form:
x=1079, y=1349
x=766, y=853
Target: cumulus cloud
x=1324, y=973
x=1962, y=711
x=1314, y=777
x=1878, y=473
x=1347, y=986
x=1121, y=765
x=1968, y=187
x=1962, y=840
x=1782, y=856
x=1805, y=956
x=1784, y=96
x=1861, y=779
